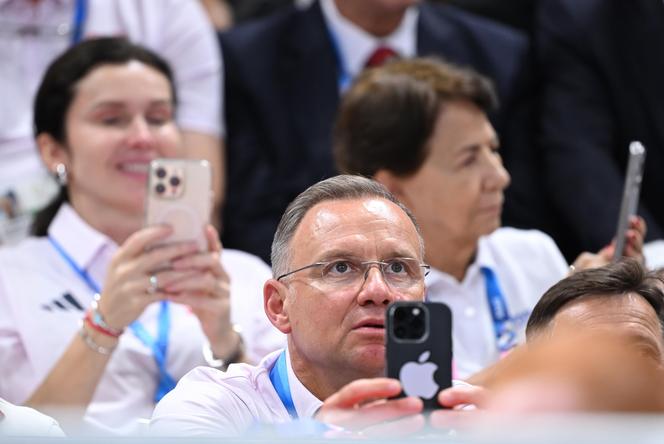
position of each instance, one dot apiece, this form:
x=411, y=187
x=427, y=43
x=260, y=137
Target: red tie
x=381, y=55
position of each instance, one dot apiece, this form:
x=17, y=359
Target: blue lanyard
x=159, y=346
x=344, y=78
x=503, y=325
x=279, y=378
x=80, y=14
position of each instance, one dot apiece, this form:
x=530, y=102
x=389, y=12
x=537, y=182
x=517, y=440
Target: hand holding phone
x=419, y=348
x=179, y=194
x=631, y=191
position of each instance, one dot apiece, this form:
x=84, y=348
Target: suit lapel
x=435, y=36
x=311, y=91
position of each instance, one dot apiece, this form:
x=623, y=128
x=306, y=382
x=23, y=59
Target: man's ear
x=274, y=304
x=52, y=152
x=394, y=184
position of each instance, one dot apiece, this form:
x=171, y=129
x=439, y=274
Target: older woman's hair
x=58, y=89
x=342, y=187
x=387, y=118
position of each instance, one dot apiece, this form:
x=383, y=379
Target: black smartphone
x=419, y=348
x=631, y=191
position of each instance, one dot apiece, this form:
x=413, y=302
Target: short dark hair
x=616, y=279
x=386, y=119
x=342, y=187
x=58, y=88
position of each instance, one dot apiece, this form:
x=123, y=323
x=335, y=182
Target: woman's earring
x=61, y=174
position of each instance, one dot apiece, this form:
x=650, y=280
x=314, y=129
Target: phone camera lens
x=399, y=314
x=160, y=188
x=161, y=173
x=400, y=332
x=174, y=181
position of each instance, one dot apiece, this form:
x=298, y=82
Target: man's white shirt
x=526, y=263
x=210, y=402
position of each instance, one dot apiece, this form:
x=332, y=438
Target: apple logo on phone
x=417, y=377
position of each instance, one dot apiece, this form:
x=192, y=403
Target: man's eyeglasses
x=400, y=272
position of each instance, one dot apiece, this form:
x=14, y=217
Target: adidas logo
x=65, y=302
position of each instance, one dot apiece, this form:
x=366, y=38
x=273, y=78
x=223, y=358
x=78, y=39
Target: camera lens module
x=161, y=173
x=160, y=188
x=174, y=181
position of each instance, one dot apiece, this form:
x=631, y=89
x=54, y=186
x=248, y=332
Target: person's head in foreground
x=420, y=127
x=620, y=297
x=595, y=343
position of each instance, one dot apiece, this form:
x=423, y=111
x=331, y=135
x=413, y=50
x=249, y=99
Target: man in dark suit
x=283, y=82
x=603, y=66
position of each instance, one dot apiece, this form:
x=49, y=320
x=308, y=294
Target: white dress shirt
x=356, y=45
x=526, y=263
x=42, y=299
x=178, y=30
x=213, y=403
x=23, y=421
x=208, y=402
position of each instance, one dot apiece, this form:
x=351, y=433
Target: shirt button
x=470, y=312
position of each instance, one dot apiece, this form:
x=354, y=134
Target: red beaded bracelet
x=88, y=319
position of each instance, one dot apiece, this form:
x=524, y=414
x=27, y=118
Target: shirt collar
x=81, y=242
x=483, y=258
x=306, y=404
x=356, y=45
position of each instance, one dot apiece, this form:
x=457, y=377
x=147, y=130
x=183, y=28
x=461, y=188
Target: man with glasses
x=344, y=249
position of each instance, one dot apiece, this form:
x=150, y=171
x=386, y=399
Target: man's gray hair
x=342, y=187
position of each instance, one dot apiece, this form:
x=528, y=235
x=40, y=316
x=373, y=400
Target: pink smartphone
x=179, y=194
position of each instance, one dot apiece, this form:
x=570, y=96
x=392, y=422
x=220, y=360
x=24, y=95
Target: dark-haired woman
x=92, y=317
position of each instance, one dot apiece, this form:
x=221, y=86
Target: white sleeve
x=197, y=406
x=187, y=40
x=181, y=33
x=12, y=353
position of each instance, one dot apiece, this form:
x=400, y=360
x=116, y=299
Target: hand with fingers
x=460, y=404
x=133, y=280
x=201, y=283
x=634, y=236
x=365, y=408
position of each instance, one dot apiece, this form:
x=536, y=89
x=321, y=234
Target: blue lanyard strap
x=503, y=325
x=344, y=78
x=80, y=14
x=279, y=378
x=159, y=347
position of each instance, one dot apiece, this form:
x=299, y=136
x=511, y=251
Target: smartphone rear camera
x=160, y=173
x=174, y=181
x=409, y=323
x=160, y=188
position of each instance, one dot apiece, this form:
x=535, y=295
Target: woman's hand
x=128, y=290
x=200, y=282
x=634, y=237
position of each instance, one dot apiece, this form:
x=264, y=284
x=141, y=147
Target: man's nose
x=375, y=289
